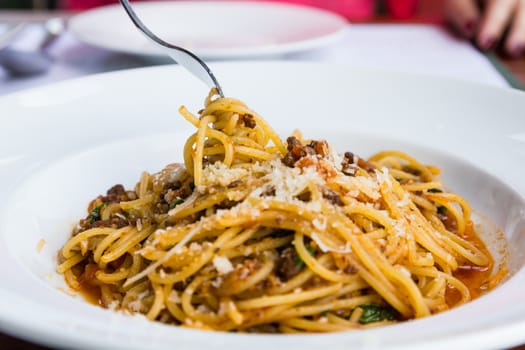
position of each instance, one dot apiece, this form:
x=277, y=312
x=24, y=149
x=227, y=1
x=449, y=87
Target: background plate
x=212, y=29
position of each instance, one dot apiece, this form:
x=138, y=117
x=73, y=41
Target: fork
x=182, y=56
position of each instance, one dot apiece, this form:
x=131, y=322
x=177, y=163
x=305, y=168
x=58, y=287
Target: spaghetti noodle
x=259, y=235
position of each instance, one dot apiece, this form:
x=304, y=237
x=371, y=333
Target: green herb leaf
x=298, y=261
x=95, y=213
x=176, y=202
x=377, y=313
x=434, y=190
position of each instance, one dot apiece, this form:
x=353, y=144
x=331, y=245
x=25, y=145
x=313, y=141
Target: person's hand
x=486, y=22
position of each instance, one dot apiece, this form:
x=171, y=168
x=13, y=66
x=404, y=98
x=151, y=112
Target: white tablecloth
x=422, y=49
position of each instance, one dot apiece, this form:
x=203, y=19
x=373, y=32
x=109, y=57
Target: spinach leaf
x=376, y=313
x=95, y=213
x=176, y=202
x=434, y=190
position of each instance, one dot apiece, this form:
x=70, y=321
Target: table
x=359, y=47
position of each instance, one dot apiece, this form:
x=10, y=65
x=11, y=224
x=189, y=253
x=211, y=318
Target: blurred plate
x=63, y=144
x=212, y=29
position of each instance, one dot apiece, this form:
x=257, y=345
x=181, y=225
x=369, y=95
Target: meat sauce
x=478, y=279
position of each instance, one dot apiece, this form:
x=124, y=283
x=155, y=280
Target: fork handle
x=182, y=56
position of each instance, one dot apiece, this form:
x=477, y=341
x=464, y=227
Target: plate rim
x=266, y=50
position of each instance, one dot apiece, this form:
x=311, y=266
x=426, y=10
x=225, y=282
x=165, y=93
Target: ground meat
x=248, y=120
x=235, y=184
x=348, y=165
x=173, y=185
x=296, y=150
x=332, y=196
x=319, y=147
x=293, y=142
x=176, y=190
x=288, y=160
x=367, y=166
x=181, y=285
x=350, y=269
x=351, y=163
x=116, y=194
x=269, y=192
x=287, y=264
x=349, y=158
x=226, y=204
x=116, y=221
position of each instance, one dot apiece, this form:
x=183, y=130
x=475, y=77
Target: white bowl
x=62, y=145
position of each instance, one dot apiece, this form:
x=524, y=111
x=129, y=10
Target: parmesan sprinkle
x=222, y=264
x=326, y=248
x=219, y=174
x=383, y=177
x=286, y=182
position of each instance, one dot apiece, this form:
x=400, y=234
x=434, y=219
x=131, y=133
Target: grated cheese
x=325, y=248
x=286, y=182
x=195, y=247
x=405, y=201
x=220, y=174
x=319, y=224
x=222, y=264
x=399, y=228
x=383, y=177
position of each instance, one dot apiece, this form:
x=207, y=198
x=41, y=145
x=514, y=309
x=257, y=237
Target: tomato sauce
x=478, y=279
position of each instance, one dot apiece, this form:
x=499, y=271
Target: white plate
x=212, y=29
x=63, y=144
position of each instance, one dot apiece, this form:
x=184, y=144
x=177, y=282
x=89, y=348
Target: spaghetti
x=255, y=234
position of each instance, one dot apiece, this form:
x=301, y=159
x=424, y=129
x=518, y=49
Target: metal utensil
x=38, y=61
x=182, y=56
